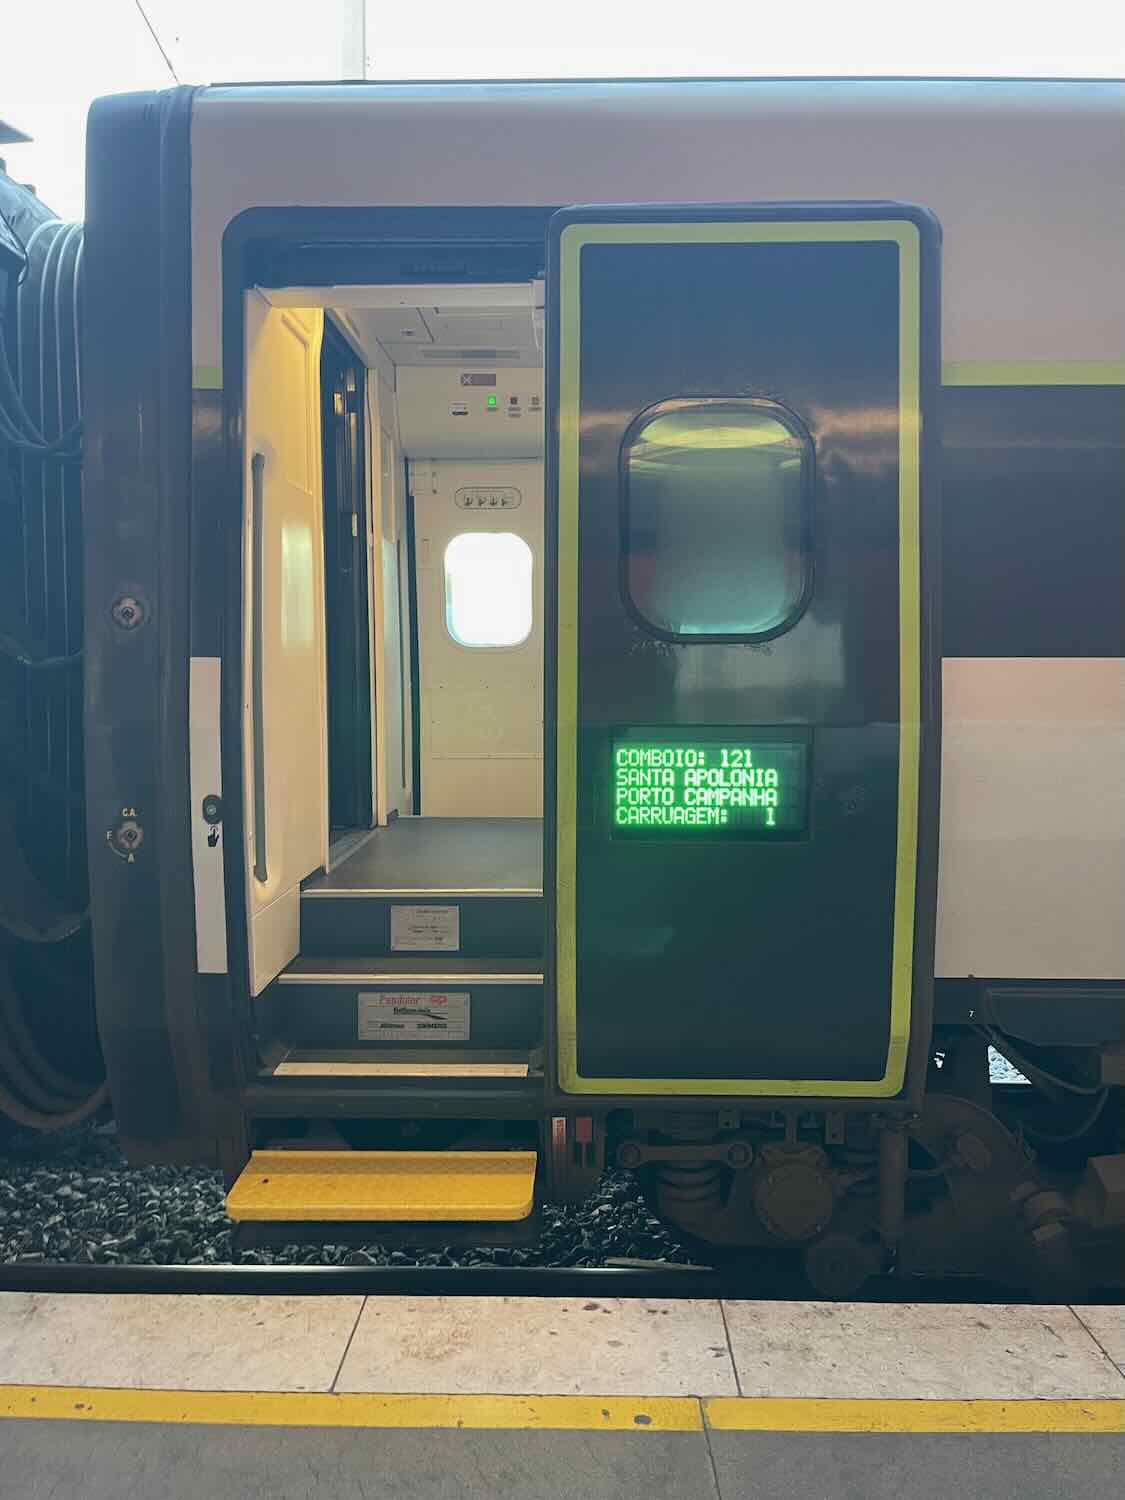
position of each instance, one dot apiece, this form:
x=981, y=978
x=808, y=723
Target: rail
x=661, y=1279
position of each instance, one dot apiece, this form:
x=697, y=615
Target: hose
x=18, y=428
x=24, y=1097
x=1032, y=1070
x=992, y=1030
x=1043, y=1078
x=34, y=1119
x=1049, y=1138
x=41, y=421
x=12, y=648
x=55, y=1089
x=16, y=425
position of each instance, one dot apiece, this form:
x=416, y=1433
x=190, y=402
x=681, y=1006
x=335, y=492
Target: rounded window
x=716, y=524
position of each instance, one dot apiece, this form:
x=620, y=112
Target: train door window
x=716, y=519
x=488, y=589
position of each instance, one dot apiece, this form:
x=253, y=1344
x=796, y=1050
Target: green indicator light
x=493, y=401
x=740, y=787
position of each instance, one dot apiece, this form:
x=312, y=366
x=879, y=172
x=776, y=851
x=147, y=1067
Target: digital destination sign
x=739, y=786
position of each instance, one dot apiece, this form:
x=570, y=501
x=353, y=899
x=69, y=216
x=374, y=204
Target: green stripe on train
x=1034, y=372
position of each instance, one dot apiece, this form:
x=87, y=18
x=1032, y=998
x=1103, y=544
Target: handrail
x=257, y=650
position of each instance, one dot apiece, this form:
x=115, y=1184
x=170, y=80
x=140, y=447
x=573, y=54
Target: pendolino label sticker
x=425, y=929
x=413, y=1016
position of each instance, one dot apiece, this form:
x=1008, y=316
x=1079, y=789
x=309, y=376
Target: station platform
x=295, y=1396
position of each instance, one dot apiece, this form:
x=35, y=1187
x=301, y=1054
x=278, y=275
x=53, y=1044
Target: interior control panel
x=470, y=413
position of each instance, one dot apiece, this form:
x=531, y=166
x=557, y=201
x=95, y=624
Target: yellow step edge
x=314, y=1069
x=384, y=1186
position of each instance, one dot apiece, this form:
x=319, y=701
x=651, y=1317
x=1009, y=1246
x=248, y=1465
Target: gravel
x=72, y=1198
x=1000, y=1070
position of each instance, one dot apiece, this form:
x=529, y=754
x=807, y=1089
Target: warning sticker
x=426, y=929
x=413, y=1016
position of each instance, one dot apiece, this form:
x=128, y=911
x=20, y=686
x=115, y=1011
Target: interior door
x=479, y=556
x=284, y=711
x=347, y=594
x=744, y=697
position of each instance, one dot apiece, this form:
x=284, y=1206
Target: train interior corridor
x=396, y=516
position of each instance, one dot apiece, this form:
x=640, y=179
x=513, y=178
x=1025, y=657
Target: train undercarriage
x=1015, y=1184
x=1020, y=1183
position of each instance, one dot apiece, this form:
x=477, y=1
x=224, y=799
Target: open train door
x=742, y=668
x=284, y=688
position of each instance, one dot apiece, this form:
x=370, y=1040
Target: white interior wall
x=416, y=411
x=481, y=706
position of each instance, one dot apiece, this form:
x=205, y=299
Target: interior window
x=716, y=541
x=488, y=594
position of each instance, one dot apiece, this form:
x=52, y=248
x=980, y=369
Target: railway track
x=75, y=1218
x=766, y=1281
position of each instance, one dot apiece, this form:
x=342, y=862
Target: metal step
x=432, y=1001
x=405, y=1062
x=471, y=887
x=426, y=922
x=502, y=856
x=384, y=1186
x=436, y=969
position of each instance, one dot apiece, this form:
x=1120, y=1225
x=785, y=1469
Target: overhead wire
x=156, y=39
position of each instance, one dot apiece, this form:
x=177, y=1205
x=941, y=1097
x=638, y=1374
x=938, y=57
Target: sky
x=59, y=55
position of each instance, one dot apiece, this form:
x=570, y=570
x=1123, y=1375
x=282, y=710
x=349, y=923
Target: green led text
x=726, y=787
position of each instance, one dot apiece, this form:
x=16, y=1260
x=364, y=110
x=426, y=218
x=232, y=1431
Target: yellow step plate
x=381, y=1186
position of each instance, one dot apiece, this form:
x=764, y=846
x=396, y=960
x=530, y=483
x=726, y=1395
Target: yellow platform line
x=810, y=1414
x=321, y=1409
x=557, y=1413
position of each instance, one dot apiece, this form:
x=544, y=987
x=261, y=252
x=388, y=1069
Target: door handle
x=257, y=649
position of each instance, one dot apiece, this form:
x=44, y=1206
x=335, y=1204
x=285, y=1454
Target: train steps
x=420, y=974
x=468, y=923
x=471, y=887
x=344, y=1002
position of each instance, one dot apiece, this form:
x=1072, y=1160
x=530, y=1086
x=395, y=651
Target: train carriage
x=605, y=630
